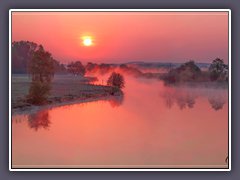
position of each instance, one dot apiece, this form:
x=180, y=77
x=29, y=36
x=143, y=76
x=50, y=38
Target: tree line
x=190, y=72
x=23, y=52
x=29, y=57
x=35, y=60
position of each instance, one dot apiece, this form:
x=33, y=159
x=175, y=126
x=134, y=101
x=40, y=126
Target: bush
x=38, y=93
x=116, y=80
x=187, y=72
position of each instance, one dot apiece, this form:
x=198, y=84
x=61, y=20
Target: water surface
x=151, y=126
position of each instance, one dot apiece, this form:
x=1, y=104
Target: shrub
x=38, y=93
x=188, y=71
x=116, y=80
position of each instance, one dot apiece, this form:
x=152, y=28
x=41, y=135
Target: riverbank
x=30, y=109
x=65, y=90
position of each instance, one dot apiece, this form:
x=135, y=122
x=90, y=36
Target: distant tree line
x=22, y=53
x=76, y=68
x=29, y=57
x=190, y=72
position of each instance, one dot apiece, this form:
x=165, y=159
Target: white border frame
x=121, y=10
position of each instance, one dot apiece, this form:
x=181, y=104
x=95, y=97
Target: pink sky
x=126, y=36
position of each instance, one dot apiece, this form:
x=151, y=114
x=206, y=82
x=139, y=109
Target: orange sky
x=126, y=36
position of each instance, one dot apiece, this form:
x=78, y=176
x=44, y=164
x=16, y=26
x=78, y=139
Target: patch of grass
x=64, y=87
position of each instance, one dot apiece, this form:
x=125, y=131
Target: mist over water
x=152, y=125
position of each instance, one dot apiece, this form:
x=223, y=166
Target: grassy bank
x=65, y=88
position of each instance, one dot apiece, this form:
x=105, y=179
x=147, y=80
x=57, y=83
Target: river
x=152, y=126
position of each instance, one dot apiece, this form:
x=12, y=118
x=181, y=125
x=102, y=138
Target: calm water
x=152, y=126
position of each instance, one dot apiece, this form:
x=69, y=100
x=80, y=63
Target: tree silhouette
x=22, y=52
x=41, y=66
x=41, y=69
x=188, y=71
x=131, y=70
x=104, y=68
x=76, y=68
x=91, y=67
x=116, y=80
x=218, y=70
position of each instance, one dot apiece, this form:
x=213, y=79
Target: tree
x=116, y=80
x=131, y=70
x=22, y=55
x=76, y=68
x=90, y=66
x=22, y=52
x=218, y=70
x=41, y=69
x=41, y=66
x=59, y=68
x=104, y=68
x=188, y=71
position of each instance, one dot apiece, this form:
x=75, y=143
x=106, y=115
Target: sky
x=119, y=37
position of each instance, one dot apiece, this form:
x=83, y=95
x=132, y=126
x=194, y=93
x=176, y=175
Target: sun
x=87, y=40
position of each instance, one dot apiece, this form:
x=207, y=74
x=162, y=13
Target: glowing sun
x=87, y=41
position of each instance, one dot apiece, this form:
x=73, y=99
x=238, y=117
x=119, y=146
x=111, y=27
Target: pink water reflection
x=153, y=126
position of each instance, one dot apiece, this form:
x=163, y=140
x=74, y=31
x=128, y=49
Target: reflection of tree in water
x=168, y=97
x=18, y=119
x=182, y=99
x=169, y=101
x=116, y=101
x=38, y=120
x=186, y=98
x=217, y=102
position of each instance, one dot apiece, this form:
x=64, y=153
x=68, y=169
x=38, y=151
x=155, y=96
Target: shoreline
x=64, y=90
x=29, y=109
